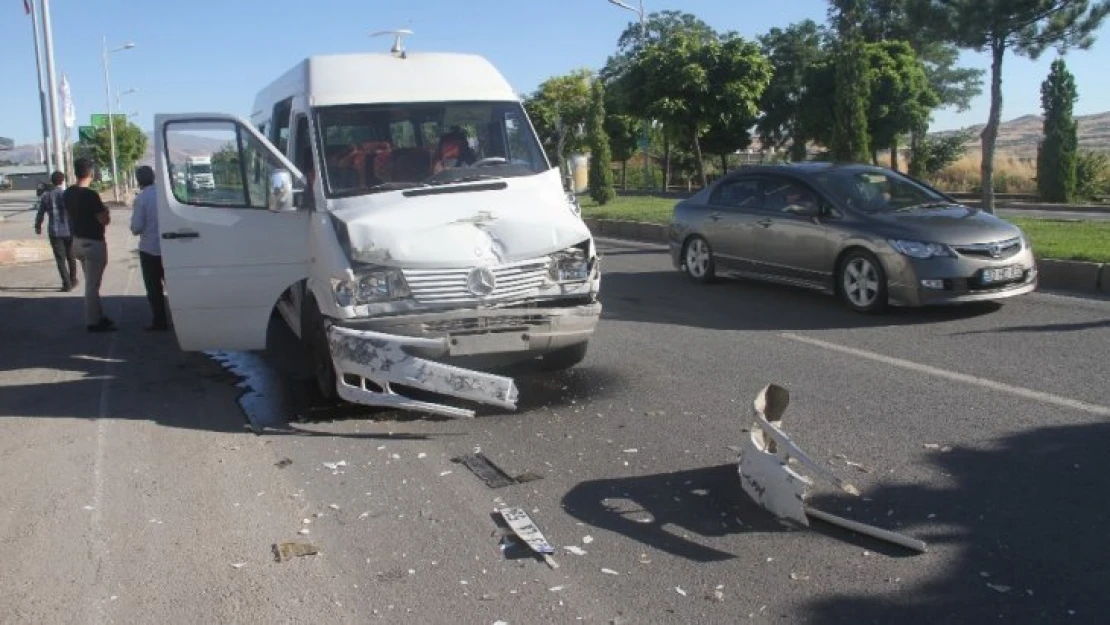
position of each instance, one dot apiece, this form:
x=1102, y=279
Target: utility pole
x=52, y=90
x=644, y=142
x=46, y=128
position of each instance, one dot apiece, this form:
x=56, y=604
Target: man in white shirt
x=144, y=223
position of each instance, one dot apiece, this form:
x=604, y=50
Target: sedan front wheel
x=697, y=257
x=862, y=282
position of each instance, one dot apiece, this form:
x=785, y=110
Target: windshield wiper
x=925, y=205
x=396, y=186
x=469, y=178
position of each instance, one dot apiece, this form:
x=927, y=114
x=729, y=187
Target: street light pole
x=52, y=85
x=643, y=44
x=111, y=121
x=46, y=126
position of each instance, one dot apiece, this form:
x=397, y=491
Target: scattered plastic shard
x=238, y=565
x=335, y=465
x=767, y=477
x=284, y=462
x=609, y=572
x=288, y=551
x=481, y=466
x=576, y=550
x=680, y=591
x=1000, y=588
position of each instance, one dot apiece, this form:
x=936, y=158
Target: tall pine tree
x=601, y=173
x=1058, y=152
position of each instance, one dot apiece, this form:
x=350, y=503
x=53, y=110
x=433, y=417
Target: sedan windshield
x=374, y=148
x=876, y=191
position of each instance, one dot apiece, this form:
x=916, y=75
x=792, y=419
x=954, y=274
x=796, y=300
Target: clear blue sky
x=206, y=55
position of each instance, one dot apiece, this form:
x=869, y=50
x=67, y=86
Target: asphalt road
x=132, y=481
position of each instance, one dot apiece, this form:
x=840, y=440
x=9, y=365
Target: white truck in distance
x=198, y=172
x=398, y=213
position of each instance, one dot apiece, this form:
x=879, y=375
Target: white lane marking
x=100, y=547
x=1027, y=393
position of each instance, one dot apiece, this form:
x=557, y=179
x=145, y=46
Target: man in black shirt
x=87, y=218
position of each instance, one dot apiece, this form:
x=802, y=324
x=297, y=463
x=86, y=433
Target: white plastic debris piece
x=303, y=532
x=798, y=577
x=931, y=446
x=335, y=465
x=999, y=587
x=767, y=477
x=587, y=539
x=555, y=588
x=306, y=521
x=680, y=591
x=632, y=450
x=364, y=515
x=445, y=473
x=576, y=550
x=717, y=596
x=90, y=508
x=395, y=456
x=333, y=506
x=421, y=455
x=609, y=572
x=238, y=565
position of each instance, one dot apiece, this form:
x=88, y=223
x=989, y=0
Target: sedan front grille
x=487, y=324
x=996, y=250
x=449, y=286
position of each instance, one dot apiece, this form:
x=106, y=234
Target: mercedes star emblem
x=481, y=281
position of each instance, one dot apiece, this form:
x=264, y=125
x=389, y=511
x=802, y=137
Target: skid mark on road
x=1048, y=398
x=99, y=545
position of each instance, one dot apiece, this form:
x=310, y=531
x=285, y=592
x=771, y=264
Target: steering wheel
x=491, y=160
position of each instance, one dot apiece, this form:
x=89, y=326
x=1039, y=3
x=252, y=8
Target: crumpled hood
x=528, y=218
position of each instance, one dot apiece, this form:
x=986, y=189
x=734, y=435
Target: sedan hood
x=950, y=225
x=494, y=222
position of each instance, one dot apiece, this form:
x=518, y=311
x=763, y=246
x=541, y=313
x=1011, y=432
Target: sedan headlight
x=371, y=287
x=569, y=265
x=920, y=249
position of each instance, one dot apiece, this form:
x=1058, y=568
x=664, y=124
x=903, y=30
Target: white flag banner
x=68, y=114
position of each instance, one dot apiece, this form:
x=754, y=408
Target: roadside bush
x=1011, y=175
x=1092, y=175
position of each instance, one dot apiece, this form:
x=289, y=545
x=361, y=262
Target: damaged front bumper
x=381, y=358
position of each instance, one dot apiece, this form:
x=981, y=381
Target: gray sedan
x=869, y=235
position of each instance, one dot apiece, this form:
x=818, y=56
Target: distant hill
x=1021, y=136
x=184, y=145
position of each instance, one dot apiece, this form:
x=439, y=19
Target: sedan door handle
x=180, y=235
x=766, y=223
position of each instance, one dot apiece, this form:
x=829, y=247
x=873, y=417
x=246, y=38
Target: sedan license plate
x=491, y=343
x=1002, y=274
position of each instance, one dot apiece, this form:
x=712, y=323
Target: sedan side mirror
x=281, y=192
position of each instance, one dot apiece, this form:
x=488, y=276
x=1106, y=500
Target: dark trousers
x=154, y=278
x=67, y=264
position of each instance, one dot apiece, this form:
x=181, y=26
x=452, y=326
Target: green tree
x=601, y=169
x=1058, y=152
x=691, y=85
x=934, y=154
x=901, y=98
x=850, y=136
x=1027, y=27
x=131, y=143
x=225, y=164
x=624, y=135
x=1092, y=174
x=559, y=110
x=793, y=53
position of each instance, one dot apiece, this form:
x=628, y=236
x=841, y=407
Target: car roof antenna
x=398, y=48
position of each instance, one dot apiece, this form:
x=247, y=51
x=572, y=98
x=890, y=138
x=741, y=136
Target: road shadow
x=670, y=298
x=1029, y=510
x=1044, y=328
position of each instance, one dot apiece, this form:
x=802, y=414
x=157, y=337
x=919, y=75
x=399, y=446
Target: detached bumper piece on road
x=368, y=365
x=766, y=475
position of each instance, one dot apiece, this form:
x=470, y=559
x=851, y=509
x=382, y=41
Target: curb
x=1057, y=275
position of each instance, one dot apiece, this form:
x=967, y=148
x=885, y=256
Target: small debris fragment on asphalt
x=335, y=465
x=238, y=565
x=485, y=469
x=555, y=588
x=798, y=577
x=364, y=515
x=333, y=506
x=680, y=591
x=999, y=587
x=587, y=539
x=284, y=462
x=576, y=550
x=609, y=572
x=303, y=532
x=289, y=550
